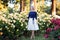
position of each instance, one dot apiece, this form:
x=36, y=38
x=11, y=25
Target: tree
x=5, y=2
x=53, y=7
x=58, y=7
x=22, y=5
x=34, y=4
x=42, y=2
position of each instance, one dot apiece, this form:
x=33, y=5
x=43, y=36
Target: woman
x=32, y=22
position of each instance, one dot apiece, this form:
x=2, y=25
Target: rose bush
x=54, y=32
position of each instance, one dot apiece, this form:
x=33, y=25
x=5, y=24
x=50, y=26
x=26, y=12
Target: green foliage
x=44, y=22
x=5, y=2
x=58, y=8
x=14, y=24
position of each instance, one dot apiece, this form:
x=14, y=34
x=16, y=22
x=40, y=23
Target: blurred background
x=14, y=18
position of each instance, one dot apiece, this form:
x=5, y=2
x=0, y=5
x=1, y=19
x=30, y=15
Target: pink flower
x=46, y=35
x=49, y=30
x=59, y=37
x=58, y=21
x=56, y=27
x=55, y=21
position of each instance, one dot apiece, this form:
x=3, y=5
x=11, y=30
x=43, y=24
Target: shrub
x=55, y=32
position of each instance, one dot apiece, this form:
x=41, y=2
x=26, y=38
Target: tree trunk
x=22, y=6
x=34, y=4
x=53, y=7
x=42, y=2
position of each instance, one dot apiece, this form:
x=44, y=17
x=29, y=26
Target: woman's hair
x=32, y=8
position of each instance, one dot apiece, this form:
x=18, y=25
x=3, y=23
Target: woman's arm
x=28, y=15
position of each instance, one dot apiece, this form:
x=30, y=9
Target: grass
x=40, y=37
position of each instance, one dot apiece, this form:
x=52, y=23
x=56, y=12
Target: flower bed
x=54, y=32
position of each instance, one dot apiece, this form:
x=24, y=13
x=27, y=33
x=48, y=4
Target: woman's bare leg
x=32, y=34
